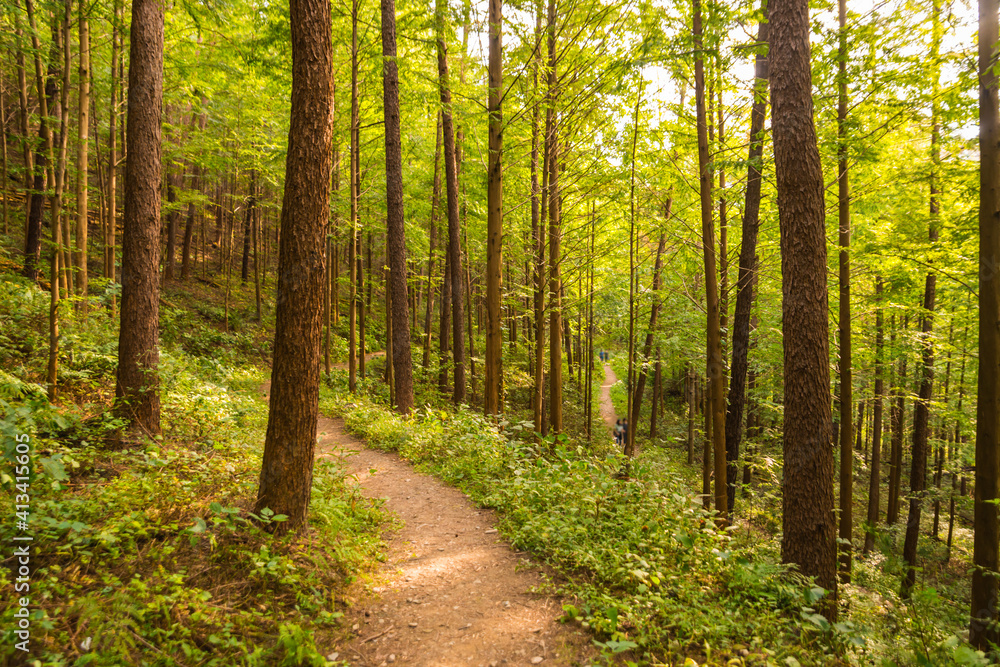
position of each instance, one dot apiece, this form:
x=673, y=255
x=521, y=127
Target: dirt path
x=451, y=592
x=607, y=407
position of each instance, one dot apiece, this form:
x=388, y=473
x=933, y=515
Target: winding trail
x=607, y=407
x=452, y=592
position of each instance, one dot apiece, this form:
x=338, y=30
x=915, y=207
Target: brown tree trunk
x=809, y=530
x=983, y=630
x=137, y=387
x=82, y=162
x=555, y=231
x=355, y=187
x=647, y=348
x=897, y=406
x=494, y=217
x=921, y=409
x=286, y=470
x=432, y=224
x=715, y=365
x=875, y=481
x=400, y=359
x=111, y=232
x=451, y=185
x=538, y=236
x=744, y=281
x=172, y=216
x=846, y=503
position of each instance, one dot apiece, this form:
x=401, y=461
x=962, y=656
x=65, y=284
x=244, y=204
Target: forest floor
x=452, y=591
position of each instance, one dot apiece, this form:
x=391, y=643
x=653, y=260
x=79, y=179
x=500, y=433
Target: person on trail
x=624, y=438
x=618, y=433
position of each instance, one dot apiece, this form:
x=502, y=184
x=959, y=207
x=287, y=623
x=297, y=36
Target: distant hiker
x=600, y=354
x=618, y=432
x=624, y=437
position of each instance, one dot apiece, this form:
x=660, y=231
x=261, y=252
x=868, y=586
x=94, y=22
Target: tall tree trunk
x=845, y=547
x=355, y=186
x=83, y=141
x=983, y=630
x=494, y=217
x=921, y=409
x=744, y=280
x=172, y=216
x=189, y=224
x=46, y=89
x=647, y=348
x=401, y=361
x=875, y=481
x=555, y=230
x=137, y=387
x=538, y=236
x=897, y=407
x=286, y=470
x=809, y=531
x=432, y=224
x=715, y=366
x=109, y=239
x=451, y=183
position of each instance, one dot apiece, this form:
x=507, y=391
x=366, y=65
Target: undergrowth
x=655, y=579
x=150, y=554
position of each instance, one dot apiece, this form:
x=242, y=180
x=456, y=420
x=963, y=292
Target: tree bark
x=451, y=186
x=809, y=530
x=83, y=141
x=555, y=231
x=844, y=325
x=983, y=630
x=492, y=396
x=715, y=366
x=875, y=481
x=432, y=224
x=744, y=281
x=402, y=363
x=137, y=387
x=286, y=470
x=355, y=187
x=921, y=409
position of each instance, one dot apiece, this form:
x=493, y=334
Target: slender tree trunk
x=109, y=239
x=46, y=90
x=137, y=388
x=451, y=182
x=896, y=423
x=716, y=368
x=921, y=409
x=83, y=141
x=744, y=280
x=432, y=224
x=983, y=630
x=494, y=217
x=875, y=481
x=555, y=230
x=809, y=530
x=399, y=358
x=647, y=348
x=538, y=236
x=286, y=470
x=844, y=327
x=172, y=216
x=355, y=186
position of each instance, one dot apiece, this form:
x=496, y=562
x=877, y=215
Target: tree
x=844, y=322
x=137, y=389
x=716, y=368
x=402, y=363
x=809, y=533
x=83, y=138
x=451, y=188
x=286, y=470
x=494, y=216
x=876, y=467
x=921, y=409
x=983, y=629
x=744, y=281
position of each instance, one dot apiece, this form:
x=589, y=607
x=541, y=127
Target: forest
x=571, y=332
